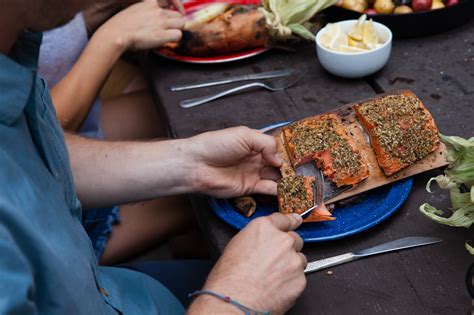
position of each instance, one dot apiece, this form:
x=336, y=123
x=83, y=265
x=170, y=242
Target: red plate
x=194, y=5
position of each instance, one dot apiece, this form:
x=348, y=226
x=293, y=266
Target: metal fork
x=319, y=189
x=279, y=85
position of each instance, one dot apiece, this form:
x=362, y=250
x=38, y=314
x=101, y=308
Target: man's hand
x=144, y=25
x=234, y=162
x=262, y=267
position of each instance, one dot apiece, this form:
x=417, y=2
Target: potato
x=355, y=5
x=370, y=11
x=384, y=6
x=437, y=5
x=421, y=5
x=402, y=9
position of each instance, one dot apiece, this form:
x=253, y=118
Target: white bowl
x=359, y=64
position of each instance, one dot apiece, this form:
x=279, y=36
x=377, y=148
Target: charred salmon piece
x=324, y=139
x=242, y=27
x=295, y=195
x=401, y=130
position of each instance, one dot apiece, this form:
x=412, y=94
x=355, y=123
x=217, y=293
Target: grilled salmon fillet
x=295, y=195
x=324, y=139
x=401, y=130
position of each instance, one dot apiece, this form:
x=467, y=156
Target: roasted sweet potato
x=242, y=27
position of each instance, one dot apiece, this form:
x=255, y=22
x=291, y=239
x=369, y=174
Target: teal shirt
x=47, y=263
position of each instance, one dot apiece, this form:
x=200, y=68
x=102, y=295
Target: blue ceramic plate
x=374, y=207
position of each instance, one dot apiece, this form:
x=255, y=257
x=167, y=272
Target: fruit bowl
x=413, y=24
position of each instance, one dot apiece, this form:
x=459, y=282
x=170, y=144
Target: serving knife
x=247, y=77
x=402, y=243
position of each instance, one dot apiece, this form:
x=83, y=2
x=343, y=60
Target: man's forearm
x=107, y=173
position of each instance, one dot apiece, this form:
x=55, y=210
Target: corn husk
x=287, y=18
x=460, y=173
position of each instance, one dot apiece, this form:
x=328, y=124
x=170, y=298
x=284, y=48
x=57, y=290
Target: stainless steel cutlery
x=287, y=79
x=246, y=77
x=402, y=243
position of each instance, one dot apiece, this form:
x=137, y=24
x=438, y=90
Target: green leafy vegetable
x=288, y=17
x=460, y=172
x=469, y=248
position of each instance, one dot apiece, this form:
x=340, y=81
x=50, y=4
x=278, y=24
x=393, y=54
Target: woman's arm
x=74, y=95
x=141, y=26
x=99, y=12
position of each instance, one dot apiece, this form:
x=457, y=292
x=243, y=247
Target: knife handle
x=175, y=88
x=329, y=262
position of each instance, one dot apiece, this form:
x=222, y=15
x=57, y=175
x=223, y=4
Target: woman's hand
x=173, y=3
x=234, y=162
x=176, y=4
x=143, y=25
x=101, y=10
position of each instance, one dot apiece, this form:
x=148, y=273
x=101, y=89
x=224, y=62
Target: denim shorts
x=98, y=225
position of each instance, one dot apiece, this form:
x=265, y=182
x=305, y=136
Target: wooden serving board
x=377, y=177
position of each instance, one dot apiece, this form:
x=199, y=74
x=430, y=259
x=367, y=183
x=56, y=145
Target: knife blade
x=247, y=77
x=403, y=243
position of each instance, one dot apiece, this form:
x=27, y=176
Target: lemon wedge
x=357, y=31
x=355, y=43
x=370, y=36
x=350, y=49
x=333, y=37
x=362, y=37
x=342, y=39
x=326, y=40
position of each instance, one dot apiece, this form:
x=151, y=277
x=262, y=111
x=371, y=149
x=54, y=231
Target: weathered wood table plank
x=315, y=93
x=440, y=70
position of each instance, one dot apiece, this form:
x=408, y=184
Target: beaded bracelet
x=227, y=299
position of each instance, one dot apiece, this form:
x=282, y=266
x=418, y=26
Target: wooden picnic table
x=440, y=70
